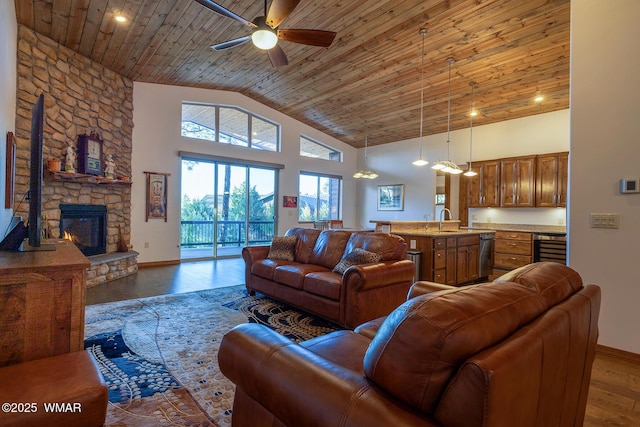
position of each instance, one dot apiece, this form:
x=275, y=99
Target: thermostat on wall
x=630, y=185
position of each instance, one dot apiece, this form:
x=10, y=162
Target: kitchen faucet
x=441, y=217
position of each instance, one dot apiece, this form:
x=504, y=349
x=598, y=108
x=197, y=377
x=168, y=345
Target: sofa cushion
x=306, y=241
x=292, y=275
x=324, y=283
x=437, y=332
x=266, y=267
x=283, y=247
x=356, y=257
x=390, y=246
x=329, y=248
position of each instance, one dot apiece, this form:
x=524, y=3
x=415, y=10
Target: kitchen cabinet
x=451, y=260
x=517, y=178
x=511, y=250
x=484, y=188
x=551, y=180
x=467, y=259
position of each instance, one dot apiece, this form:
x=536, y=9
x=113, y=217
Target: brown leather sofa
x=361, y=293
x=514, y=352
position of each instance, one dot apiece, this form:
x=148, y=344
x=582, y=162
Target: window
x=229, y=125
x=319, y=197
x=315, y=149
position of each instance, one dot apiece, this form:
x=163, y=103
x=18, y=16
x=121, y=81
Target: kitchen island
x=447, y=253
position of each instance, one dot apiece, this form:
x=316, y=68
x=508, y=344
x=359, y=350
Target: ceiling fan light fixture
x=264, y=38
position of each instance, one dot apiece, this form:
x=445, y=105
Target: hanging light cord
x=450, y=61
x=473, y=86
x=422, y=32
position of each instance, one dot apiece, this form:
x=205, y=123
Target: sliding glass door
x=225, y=207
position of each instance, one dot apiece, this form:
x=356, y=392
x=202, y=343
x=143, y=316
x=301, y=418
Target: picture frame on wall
x=391, y=197
x=290, y=201
x=156, y=196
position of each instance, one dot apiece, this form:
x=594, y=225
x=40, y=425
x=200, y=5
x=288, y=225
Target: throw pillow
x=283, y=247
x=356, y=257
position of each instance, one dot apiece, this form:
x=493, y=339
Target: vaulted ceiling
x=514, y=50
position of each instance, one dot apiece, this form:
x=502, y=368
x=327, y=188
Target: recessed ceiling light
x=539, y=98
x=473, y=113
x=120, y=18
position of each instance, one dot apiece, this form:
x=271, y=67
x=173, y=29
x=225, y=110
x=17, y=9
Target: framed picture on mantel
x=391, y=197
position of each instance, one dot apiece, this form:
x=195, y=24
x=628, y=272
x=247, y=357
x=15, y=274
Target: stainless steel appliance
x=550, y=247
x=486, y=254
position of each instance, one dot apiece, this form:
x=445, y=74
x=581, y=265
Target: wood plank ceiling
x=513, y=49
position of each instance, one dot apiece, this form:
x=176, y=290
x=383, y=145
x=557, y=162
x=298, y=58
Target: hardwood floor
x=614, y=394
x=170, y=279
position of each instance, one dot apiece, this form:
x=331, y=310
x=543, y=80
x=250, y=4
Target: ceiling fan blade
x=277, y=56
x=225, y=12
x=279, y=10
x=310, y=37
x=231, y=43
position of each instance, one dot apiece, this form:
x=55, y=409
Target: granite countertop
x=526, y=228
x=452, y=233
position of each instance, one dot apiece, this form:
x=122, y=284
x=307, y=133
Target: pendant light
x=365, y=173
x=471, y=172
x=448, y=166
x=420, y=161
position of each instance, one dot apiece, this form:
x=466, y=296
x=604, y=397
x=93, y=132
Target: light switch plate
x=605, y=220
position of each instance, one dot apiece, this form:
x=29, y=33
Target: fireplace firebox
x=86, y=226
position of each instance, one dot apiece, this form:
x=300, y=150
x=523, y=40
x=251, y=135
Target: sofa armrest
x=374, y=290
x=423, y=287
x=251, y=254
x=299, y=387
x=363, y=277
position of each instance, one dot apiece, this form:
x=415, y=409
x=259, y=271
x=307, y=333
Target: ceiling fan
x=265, y=33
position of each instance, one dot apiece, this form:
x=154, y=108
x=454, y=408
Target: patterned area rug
x=159, y=355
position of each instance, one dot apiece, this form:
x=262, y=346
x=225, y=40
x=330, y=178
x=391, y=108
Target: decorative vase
x=53, y=165
x=122, y=244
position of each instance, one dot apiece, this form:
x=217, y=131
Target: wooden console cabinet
x=42, y=301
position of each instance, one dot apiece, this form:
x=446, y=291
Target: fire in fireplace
x=85, y=226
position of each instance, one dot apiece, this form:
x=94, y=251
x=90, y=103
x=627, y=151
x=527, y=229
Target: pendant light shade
x=470, y=171
x=420, y=161
x=448, y=166
x=365, y=173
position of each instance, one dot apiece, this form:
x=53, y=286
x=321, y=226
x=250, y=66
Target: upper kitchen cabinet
x=484, y=188
x=551, y=180
x=517, y=176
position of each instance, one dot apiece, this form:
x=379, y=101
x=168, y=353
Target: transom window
x=319, y=197
x=318, y=150
x=229, y=125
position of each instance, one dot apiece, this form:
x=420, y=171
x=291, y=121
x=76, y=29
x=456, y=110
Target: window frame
x=338, y=197
x=322, y=144
x=250, y=115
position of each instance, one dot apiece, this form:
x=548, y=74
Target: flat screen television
x=34, y=226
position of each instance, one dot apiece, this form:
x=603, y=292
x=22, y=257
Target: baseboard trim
x=157, y=263
x=615, y=353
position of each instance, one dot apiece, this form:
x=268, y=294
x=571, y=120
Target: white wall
x=8, y=77
x=157, y=141
x=605, y=147
x=542, y=133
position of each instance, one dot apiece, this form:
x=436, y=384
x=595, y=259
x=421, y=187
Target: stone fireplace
x=85, y=226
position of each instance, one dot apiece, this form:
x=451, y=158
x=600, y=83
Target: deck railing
x=195, y=234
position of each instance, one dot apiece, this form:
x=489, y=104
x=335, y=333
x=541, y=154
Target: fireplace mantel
x=82, y=178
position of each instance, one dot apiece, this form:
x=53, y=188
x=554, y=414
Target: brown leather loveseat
x=308, y=280
x=514, y=352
